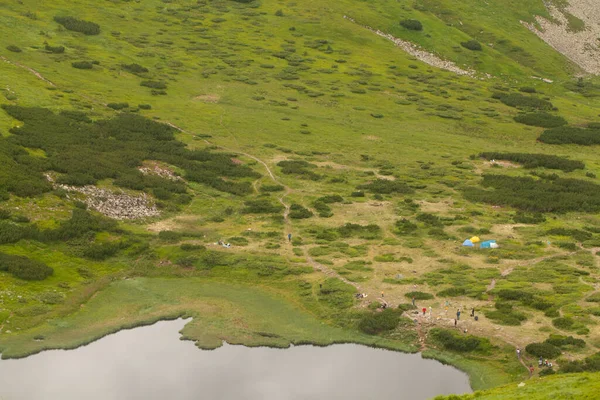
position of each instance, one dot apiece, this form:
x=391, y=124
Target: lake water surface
x=151, y=363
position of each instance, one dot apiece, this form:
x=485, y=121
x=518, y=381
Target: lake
x=151, y=363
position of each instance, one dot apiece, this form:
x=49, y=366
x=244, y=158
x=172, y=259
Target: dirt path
x=33, y=71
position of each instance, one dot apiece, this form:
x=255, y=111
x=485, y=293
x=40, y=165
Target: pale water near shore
x=151, y=363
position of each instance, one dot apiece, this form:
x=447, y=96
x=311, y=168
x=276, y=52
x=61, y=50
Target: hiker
x=540, y=361
x=424, y=310
x=220, y=242
x=457, y=314
x=289, y=237
x=530, y=369
x=382, y=294
x=384, y=306
x=430, y=310
x=413, y=301
x=473, y=312
x=455, y=322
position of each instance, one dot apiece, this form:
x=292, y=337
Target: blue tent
x=487, y=244
x=468, y=243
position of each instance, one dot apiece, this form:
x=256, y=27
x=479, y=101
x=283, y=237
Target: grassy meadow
x=269, y=118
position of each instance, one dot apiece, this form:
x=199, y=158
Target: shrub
x=300, y=168
x=82, y=65
x=329, y=199
x=526, y=218
x=576, y=234
x=118, y=106
x=430, y=219
x=537, y=160
x=154, y=84
x=101, y=251
x=565, y=323
x=299, y=212
x=379, y=322
x=412, y=24
x=452, y=292
x=169, y=236
x=54, y=49
x=13, y=48
x=261, y=206
x=78, y=25
x=571, y=135
x=337, y=293
x=504, y=317
x=544, y=350
x=144, y=106
x=384, y=186
x=24, y=268
x=472, y=45
x=591, y=364
x=520, y=101
x=538, y=195
x=404, y=227
x=564, y=341
x=542, y=119
x=272, y=188
x=370, y=231
x=527, y=89
x=419, y=295
x=323, y=209
x=463, y=344
x=134, y=68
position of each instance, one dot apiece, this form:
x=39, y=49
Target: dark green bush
x=472, y=45
x=452, y=292
x=571, y=135
x=272, y=188
x=542, y=119
x=330, y=199
x=544, y=350
x=78, y=25
x=297, y=211
x=412, y=24
x=370, y=231
x=404, y=227
x=564, y=341
x=82, y=65
x=527, y=89
x=13, y=48
x=430, y=219
x=379, y=322
x=538, y=195
x=537, y=160
x=576, y=234
x=337, y=293
x=118, y=106
x=302, y=169
x=454, y=341
x=525, y=102
x=169, y=236
x=261, y=206
x=590, y=364
x=565, y=323
x=384, y=186
x=323, y=209
x=102, y=251
x=154, y=84
x=24, y=268
x=528, y=218
x=144, y=106
x=134, y=68
x=504, y=317
x=54, y=49
x=419, y=295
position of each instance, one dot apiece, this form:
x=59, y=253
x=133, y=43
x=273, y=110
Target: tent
x=488, y=244
x=475, y=239
x=468, y=243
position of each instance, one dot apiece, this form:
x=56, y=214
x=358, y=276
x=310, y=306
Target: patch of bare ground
x=208, y=98
x=580, y=45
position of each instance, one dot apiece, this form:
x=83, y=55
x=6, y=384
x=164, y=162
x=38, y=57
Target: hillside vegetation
x=300, y=153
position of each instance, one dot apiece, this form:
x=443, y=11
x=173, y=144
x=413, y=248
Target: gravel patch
x=583, y=48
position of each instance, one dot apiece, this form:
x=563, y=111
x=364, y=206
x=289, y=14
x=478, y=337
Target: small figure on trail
x=473, y=312
x=541, y=361
x=413, y=301
x=457, y=314
x=289, y=237
x=455, y=322
x=384, y=306
x=430, y=309
x=320, y=286
x=476, y=318
x=220, y=242
x=382, y=293
x=530, y=369
x=424, y=310
x=519, y=353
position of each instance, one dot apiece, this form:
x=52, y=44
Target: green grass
x=573, y=386
x=311, y=89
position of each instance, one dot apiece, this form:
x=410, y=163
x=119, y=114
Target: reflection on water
x=150, y=363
